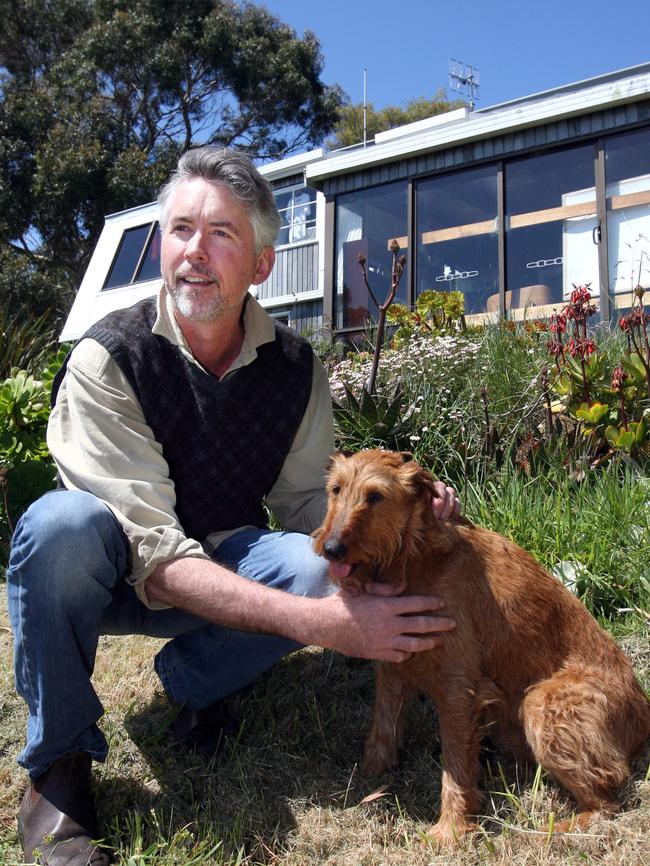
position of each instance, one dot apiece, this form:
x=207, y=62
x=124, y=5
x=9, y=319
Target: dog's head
x=379, y=504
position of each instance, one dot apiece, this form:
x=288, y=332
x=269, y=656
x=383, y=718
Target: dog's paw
x=447, y=833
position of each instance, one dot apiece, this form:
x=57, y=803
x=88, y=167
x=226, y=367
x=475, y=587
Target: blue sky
x=519, y=48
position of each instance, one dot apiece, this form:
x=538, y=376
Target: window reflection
x=366, y=223
x=456, y=230
x=150, y=267
x=627, y=180
x=550, y=224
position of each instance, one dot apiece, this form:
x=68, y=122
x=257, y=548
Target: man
x=173, y=421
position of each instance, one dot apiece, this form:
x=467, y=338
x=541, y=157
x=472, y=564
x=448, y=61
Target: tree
x=99, y=97
x=349, y=129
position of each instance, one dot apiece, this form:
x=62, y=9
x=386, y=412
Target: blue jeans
x=66, y=586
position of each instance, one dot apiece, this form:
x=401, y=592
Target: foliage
x=26, y=340
x=99, y=97
x=434, y=311
x=349, y=128
x=610, y=407
x=372, y=420
x=26, y=469
x=24, y=412
x=31, y=291
x=593, y=534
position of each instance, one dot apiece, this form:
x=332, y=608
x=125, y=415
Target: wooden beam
x=552, y=214
x=452, y=233
x=630, y=199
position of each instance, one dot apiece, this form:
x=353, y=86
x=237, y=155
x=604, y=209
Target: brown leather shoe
x=56, y=822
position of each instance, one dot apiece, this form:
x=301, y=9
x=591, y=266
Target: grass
x=287, y=791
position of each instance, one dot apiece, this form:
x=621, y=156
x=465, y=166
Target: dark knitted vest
x=225, y=441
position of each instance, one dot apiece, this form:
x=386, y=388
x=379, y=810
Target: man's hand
x=374, y=625
x=445, y=501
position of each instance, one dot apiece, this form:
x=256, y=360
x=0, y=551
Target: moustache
x=196, y=271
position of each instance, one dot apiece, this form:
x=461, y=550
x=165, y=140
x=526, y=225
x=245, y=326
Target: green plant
x=434, y=311
x=372, y=420
x=610, y=409
x=26, y=469
x=23, y=415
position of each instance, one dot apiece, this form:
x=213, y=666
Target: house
x=511, y=205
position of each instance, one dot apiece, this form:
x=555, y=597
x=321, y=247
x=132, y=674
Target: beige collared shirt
x=101, y=443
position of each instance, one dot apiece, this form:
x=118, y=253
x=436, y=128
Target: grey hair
x=234, y=171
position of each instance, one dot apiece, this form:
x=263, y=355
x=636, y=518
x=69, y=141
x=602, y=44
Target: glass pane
x=367, y=222
x=627, y=180
x=150, y=267
x=551, y=218
x=457, y=236
x=283, y=198
x=537, y=183
x=303, y=220
x=128, y=256
x=297, y=208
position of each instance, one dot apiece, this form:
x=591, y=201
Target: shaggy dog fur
x=526, y=661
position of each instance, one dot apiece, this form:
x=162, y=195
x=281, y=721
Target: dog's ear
x=406, y=456
x=418, y=479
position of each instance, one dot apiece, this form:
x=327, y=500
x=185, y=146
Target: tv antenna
x=464, y=79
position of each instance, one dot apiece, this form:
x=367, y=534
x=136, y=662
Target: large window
x=366, y=223
x=550, y=227
x=137, y=259
x=297, y=208
x=456, y=230
x=627, y=179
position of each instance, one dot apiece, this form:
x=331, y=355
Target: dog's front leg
x=458, y=716
x=391, y=697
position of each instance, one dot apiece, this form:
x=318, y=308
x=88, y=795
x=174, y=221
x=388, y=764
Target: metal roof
x=606, y=91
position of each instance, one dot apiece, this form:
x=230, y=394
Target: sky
x=518, y=48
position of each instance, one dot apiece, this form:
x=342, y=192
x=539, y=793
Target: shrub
x=26, y=469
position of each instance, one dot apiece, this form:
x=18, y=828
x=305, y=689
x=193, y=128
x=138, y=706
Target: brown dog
x=526, y=658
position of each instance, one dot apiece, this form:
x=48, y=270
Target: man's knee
x=69, y=535
x=311, y=571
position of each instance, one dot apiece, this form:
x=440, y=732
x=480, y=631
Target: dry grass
x=287, y=792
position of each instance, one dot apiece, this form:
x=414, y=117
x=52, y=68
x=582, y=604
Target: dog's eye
x=373, y=497
x=335, y=490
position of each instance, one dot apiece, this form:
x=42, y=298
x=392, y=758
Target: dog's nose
x=334, y=549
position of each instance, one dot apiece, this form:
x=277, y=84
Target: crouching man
x=173, y=421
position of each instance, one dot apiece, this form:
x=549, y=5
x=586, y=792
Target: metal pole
x=365, y=106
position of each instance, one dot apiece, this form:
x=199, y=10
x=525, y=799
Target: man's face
x=208, y=257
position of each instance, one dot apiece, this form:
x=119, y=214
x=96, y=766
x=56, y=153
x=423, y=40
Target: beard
x=195, y=302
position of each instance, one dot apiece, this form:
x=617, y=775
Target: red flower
x=618, y=378
x=581, y=347
x=580, y=295
x=557, y=323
